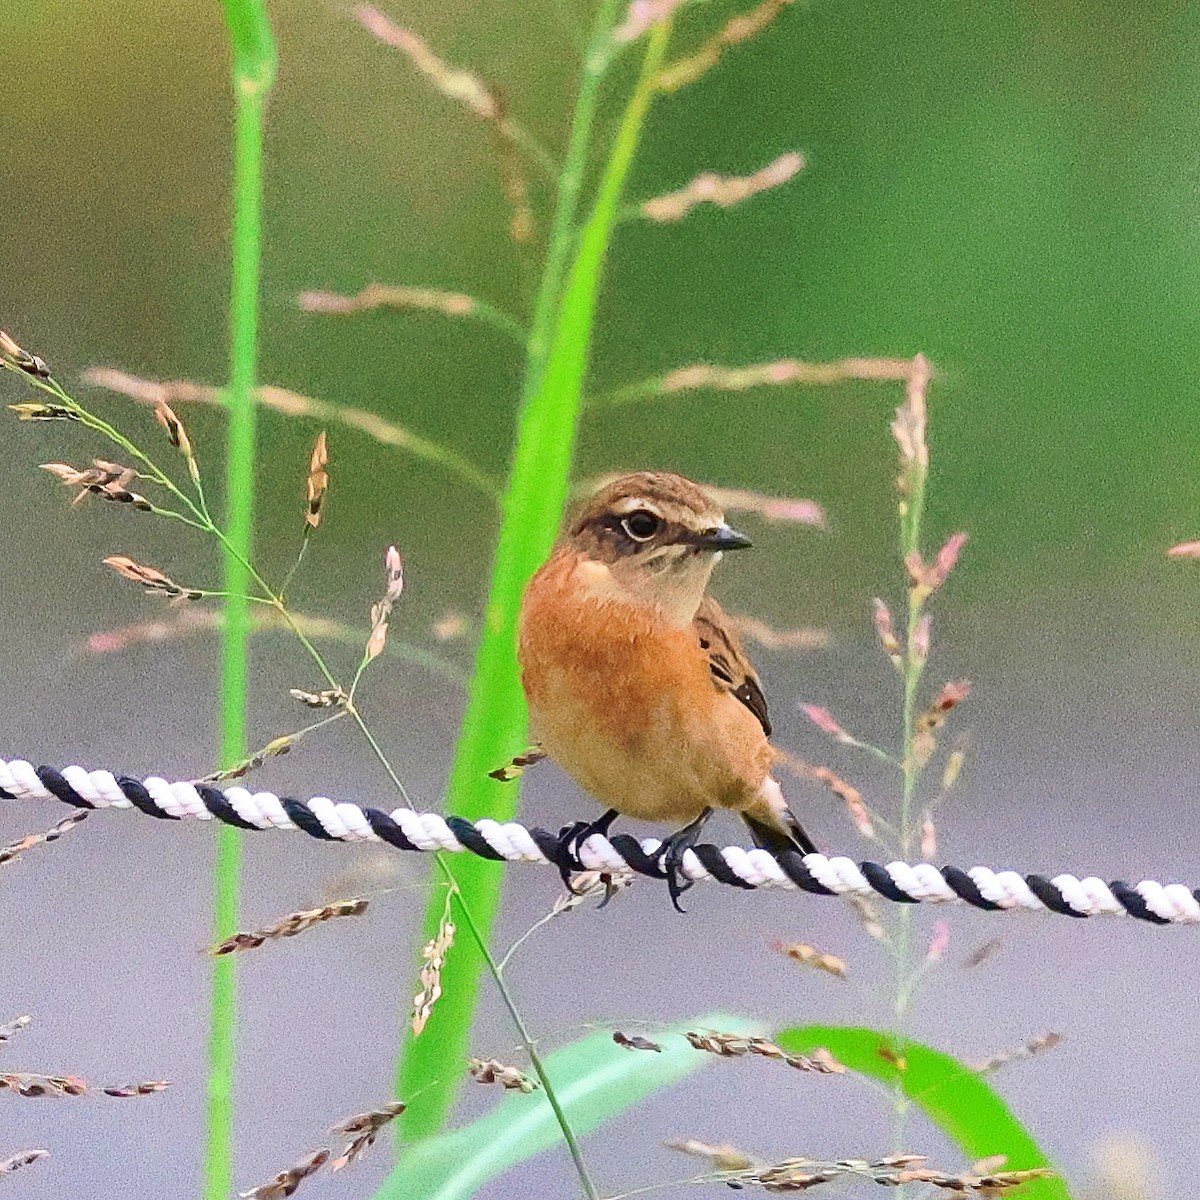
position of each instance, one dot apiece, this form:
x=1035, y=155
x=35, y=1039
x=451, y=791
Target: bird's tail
x=774, y=826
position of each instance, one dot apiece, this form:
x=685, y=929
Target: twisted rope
x=405, y=829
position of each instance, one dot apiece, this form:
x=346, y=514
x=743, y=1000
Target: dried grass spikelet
x=1026, y=1050
x=381, y=611
x=780, y=372
x=1183, y=550
x=26, y=1083
x=151, y=579
x=810, y=956
x=641, y=15
x=722, y=190
x=631, y=1041
x=329, y=698
x=929, y=841
x=939, y=943
x=934, y=717
x=378, y=295
x=292, y=924
x=365, y=1128
x=493, y=1071
x=887, y=634
x=11, y=851
x=518, y=765
x=825, y=721
x=733, y=1045
x=928, y=577
x=108, y=480
x=721, y=1158
x=10, y=1028
x=23, y=1159
x=737, y=30
x=275, y=748
x=592, y=885
x=316, y=484
x=165, y=415
x=434, y=955
x=40, y=410
x=22, y=359
x=856, y=806
x=148, y=1087
x=909, y=426
x=980, y=954
x=288, y=1180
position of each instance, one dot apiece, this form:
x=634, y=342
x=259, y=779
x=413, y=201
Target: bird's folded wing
x=730, y=668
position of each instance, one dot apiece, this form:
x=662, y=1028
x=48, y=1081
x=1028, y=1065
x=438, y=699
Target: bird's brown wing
x=727, y=662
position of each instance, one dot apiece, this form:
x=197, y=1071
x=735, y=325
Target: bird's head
x=659, y=536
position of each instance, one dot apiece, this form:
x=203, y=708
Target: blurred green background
x=1011, y=188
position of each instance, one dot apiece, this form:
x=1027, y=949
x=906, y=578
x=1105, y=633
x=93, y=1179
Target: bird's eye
x=641, y=525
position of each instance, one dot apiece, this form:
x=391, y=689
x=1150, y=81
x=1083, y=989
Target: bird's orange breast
x=625, y=701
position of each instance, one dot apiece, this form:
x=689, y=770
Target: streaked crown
x=654, y=519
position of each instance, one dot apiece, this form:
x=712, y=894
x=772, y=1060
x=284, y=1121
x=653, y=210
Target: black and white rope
x=405, y=829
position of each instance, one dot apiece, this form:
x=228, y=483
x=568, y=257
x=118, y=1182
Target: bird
x=636, y=682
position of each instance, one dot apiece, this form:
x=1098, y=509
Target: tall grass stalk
x=254, y=64
x=495, y=723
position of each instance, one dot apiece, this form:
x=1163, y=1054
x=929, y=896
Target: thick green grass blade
x=961, y=1103
x=595, y=1080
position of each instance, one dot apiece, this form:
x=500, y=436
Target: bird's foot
x=572, y=837
x=670, y=857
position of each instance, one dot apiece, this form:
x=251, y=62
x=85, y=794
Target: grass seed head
x=434, y=955
x=151, y=579
x=317, y=482
x=288, y=1180
x=722, y=190
x=493, y=1071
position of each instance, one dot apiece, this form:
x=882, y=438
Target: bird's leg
x=572, y=837
x=670, y=856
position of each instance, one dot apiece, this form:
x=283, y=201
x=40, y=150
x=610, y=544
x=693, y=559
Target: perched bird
x=637, y=683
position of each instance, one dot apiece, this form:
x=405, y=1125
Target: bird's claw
x=669, y=857
x=571, y=839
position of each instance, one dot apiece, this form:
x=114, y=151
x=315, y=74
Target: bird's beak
x=723, y=538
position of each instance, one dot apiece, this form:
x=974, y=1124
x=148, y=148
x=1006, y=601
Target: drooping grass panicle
x=17, y=848
x=293, y=404
x=734, y=32
x=733, y=1045
x=290, y=1178
x=151, y=579
x=108, y=480
x=433, y=955
x=723, y=191
x=364, y=1128
x=291, y=925
x=1026, y=1050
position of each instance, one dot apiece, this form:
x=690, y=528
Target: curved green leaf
x=956, y=1099
x=595, y=1080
